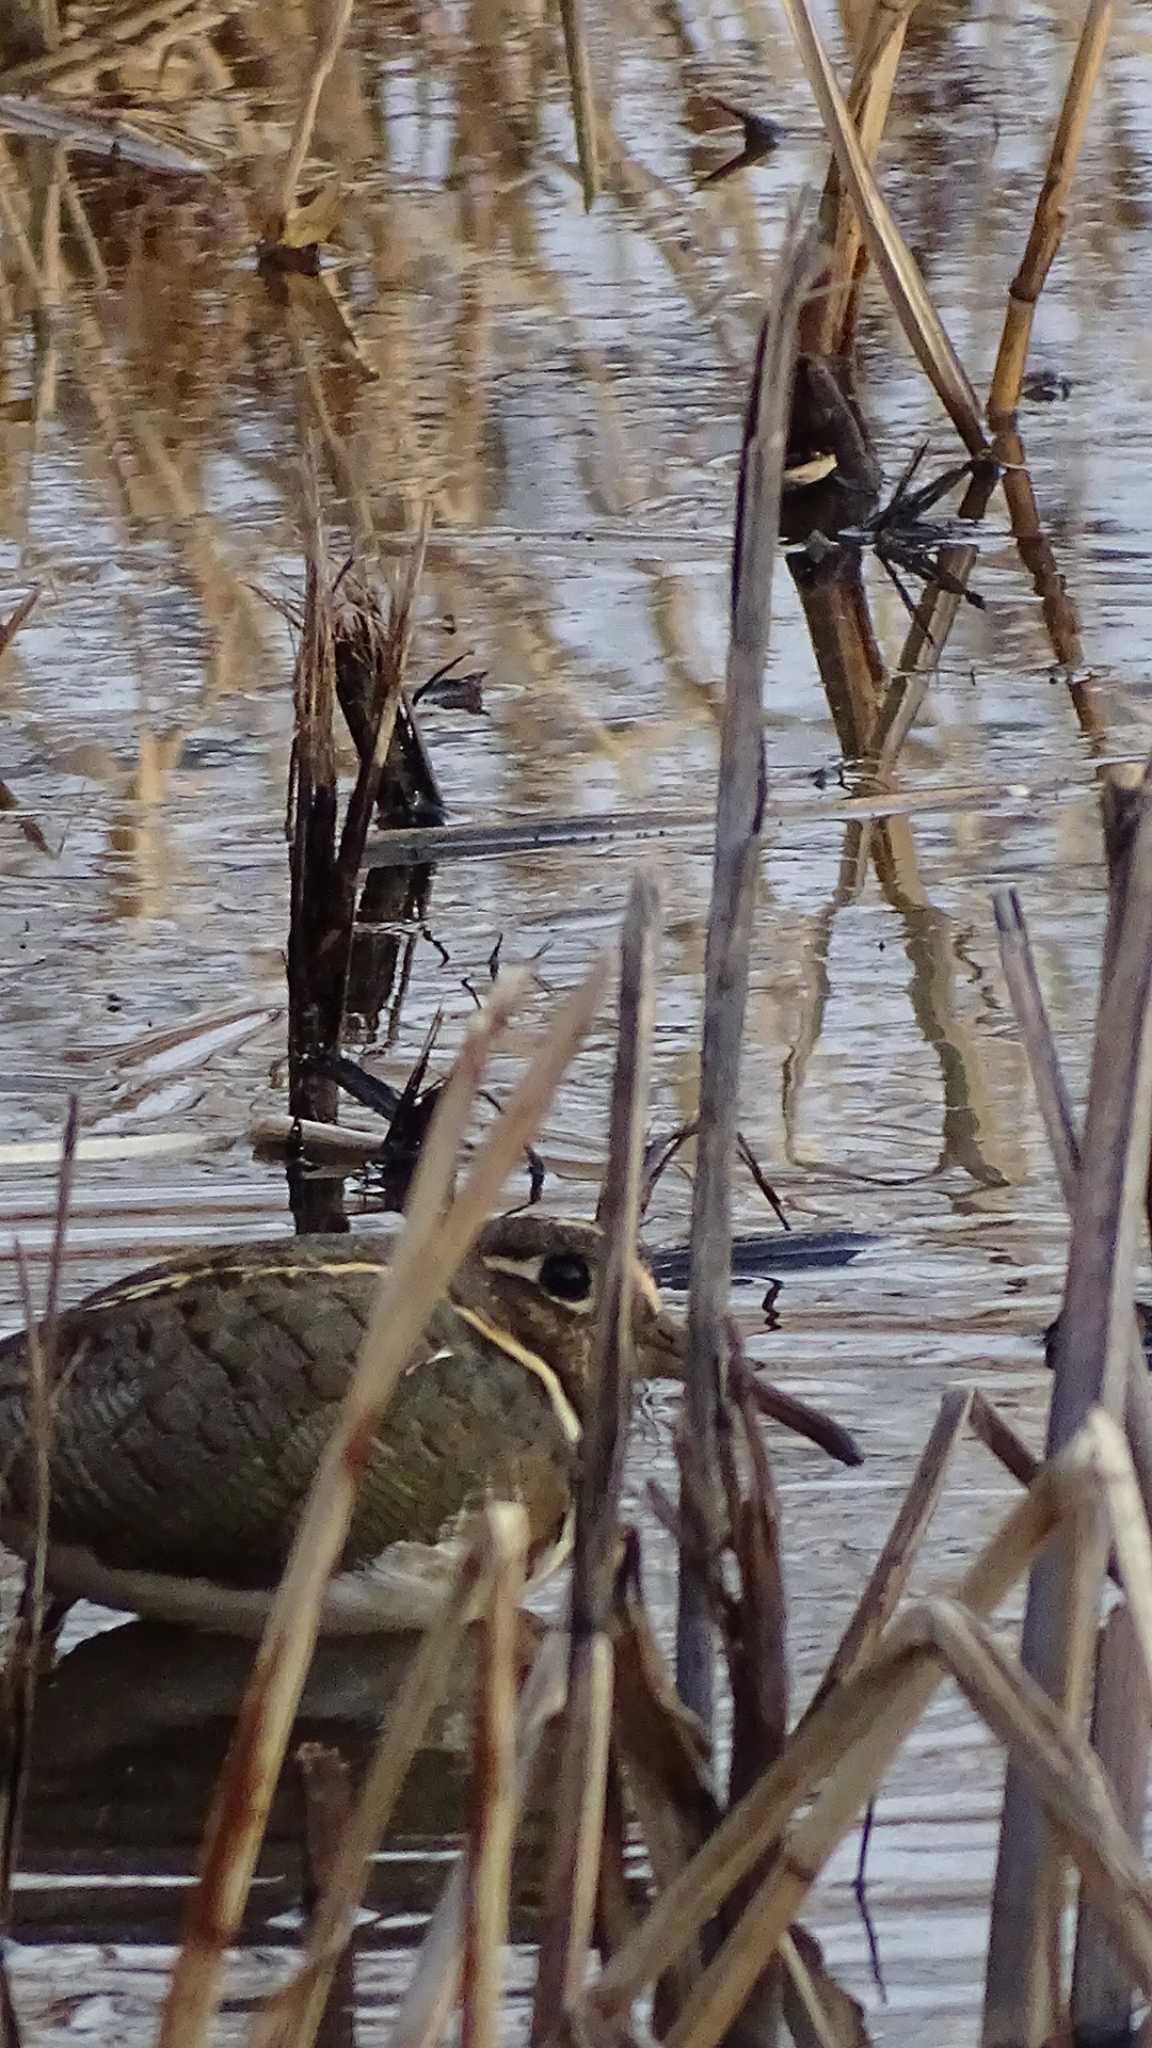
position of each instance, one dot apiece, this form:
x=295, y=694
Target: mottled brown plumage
x=194, y=1399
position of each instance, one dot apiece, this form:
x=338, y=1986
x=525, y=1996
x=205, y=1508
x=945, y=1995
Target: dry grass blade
x=571, y=1880
x=583, y=103
x=1049, y=220
x=989, y=1428
x=874, y=1706
x=739, y=820
x=1030, y=1011
x=426, y=2003
x=493, y=1820
x=426, y=1257
x=291, y=2017
x=886, y=245
x=361, y=803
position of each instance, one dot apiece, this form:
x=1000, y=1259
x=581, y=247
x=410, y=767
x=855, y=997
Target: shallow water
x=567, y=391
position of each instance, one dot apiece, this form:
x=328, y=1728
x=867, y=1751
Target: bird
x=191, y=1402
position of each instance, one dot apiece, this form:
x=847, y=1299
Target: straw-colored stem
x=573, y=1865
x=827, y=329
x=424, y=2008
x=291, y=2017
x=886, y=245
x=1049, y=219
x=848, y=1713
x=336, y=28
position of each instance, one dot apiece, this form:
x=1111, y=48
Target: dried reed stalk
x=1064, y=1772
x=428, y=1999
x=431, y=1247
x=327, y=1803
x=1101, y=2000
x=335, y=29
x=907, y=1676
x=871, y=1711
x=583, y=101
x=1059, y=1121
x=828, y=320
x=492, y=1824
x=570, y=1885
x=739, y=818
x=1091, y=1354
x=1049, y=219
x=291, y=2017
x=886, y=245
x=10, y=626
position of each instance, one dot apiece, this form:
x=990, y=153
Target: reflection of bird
x=193, y=1400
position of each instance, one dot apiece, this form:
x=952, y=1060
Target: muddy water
x=566, y=391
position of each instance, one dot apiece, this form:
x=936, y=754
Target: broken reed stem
x=1049, y=219
x=492, y=1825
x=394, y=663
x=424, y=2009
x=335, y=30
x=573, y=1864
x=876, y=1705
x=1065, y=1774
x=905, y=1677
x=736, y=863
x=1091, y=1352
x=886, y=245
x=583, y=102
x=434, y=1241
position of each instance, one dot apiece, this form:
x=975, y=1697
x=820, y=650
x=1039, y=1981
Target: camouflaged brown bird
x=192, y=1402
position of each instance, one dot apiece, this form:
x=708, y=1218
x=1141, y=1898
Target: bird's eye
x=567, y=1276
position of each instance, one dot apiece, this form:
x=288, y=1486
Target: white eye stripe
x=531, y=1269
